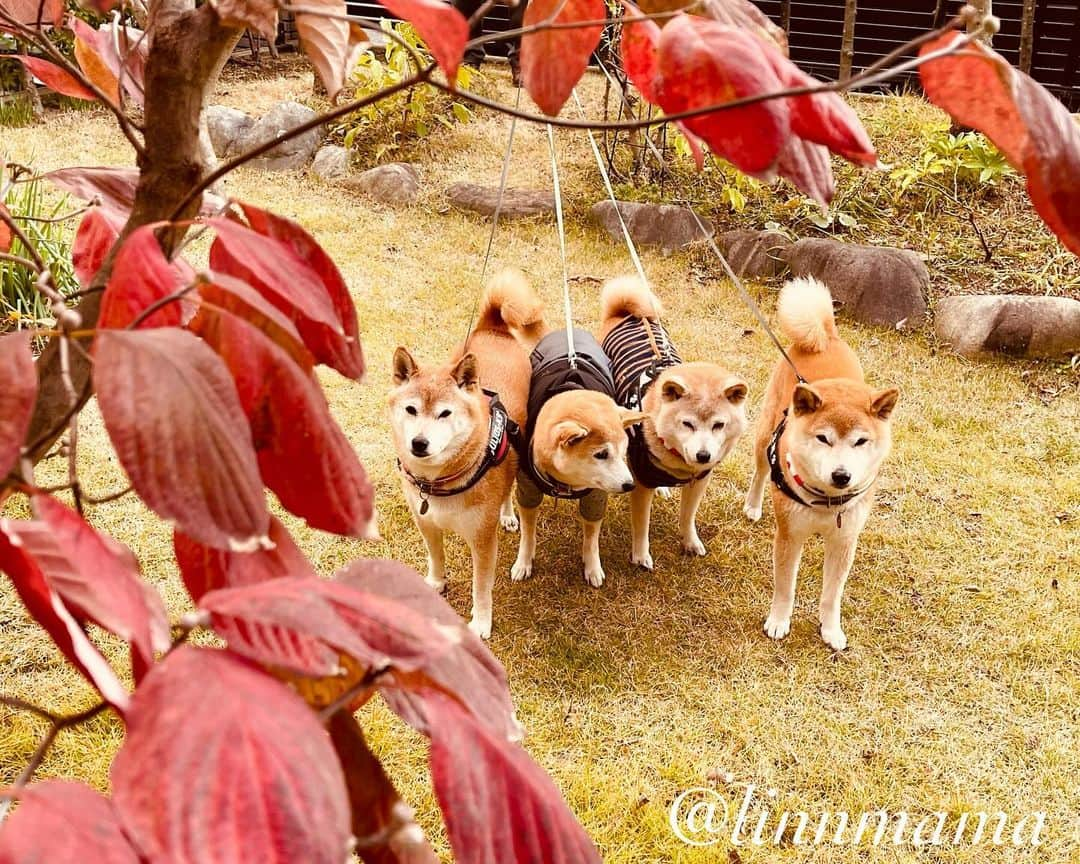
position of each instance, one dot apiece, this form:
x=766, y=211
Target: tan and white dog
x=575, y=445
x=693, y=412
x=453, y=438
x=822, y=443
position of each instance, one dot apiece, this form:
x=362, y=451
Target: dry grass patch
x=960, y=689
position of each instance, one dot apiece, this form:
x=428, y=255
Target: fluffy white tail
x=805, y=313
x=627, y=295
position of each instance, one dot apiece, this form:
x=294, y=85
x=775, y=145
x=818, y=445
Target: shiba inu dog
x=575, y=444
x=693, y=412
x=822, y=443
x=452, y=427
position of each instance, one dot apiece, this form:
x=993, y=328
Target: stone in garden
x=873, y=284
x=396, y=183
x=330, y=162
x=515, y=202
x=227, y=127
x=755, y=254
x=1009, y=324
x=289, y=155
x=665, y=225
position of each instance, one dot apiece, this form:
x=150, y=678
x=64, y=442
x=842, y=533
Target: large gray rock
x=515, y=202
x=330, y=162
x=755, y=254
x=665, y=225
x=396, y=183
x=291, y=154
x=227, y=127
x=1009, y=324
x=876, y=285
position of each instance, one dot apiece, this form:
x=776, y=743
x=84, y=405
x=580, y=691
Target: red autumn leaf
x=204, y=568
x=742, y=14
x=1032, y=129
x=344, y=355
x=111, y=54
x=55, y=78
x=29, y=11
x=5, y=229
x=46, y=606
x=172, y=413
x=442, y=27
x=553, y=60
x=98, y=578
x=222, y=764
x=236, y=296
x=258, y=15
x=141, y=275
x=499, y=805
x=332, y=44
x=470, y=672
x=17, y=396
x=98, y=232
x=112, y=188
x=809, y=168
x=64, y=821
x=638, y=49
x=303, y=455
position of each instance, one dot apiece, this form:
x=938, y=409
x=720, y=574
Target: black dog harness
x=552, y=373
x=820, y=499
x=637, y=361
x=503, y=432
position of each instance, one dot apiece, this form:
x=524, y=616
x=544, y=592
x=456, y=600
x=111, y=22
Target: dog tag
x=424, y=508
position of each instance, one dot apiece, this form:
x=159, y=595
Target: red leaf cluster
x=1032, y=129
x=55, y=78
x=695, y=63
x=112, y=57
x=141, y=276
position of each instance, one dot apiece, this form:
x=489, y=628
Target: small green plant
x=21, y=304
x=963, y=162
x=412, y=114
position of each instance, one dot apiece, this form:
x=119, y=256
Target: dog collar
x=550, y=486
x=501, y=430
x=821, y=498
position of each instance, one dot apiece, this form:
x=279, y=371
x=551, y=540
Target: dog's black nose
x=840, y=478
x=703, y=456
x=419, y=446
x=627, y=487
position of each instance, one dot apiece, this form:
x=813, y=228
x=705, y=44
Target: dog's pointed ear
x=735, y=393
x=673, y=389
x=465, y=373
x=631, y=418
x=883, y=402
x=404, y=365
x=805, y=400
x=569, y=432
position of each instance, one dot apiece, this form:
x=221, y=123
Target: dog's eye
x=688, y=425
x=444, y=414
x=860, y=442
x=716, y=427
x=410, y=410
x=823, y=439
x=600, y=454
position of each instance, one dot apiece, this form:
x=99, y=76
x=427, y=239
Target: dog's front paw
x=834, y=637
x=481, y=627
x=594, y=575
x=521, y=570
x=642, y=559
x=752, y=513
x=777, y=627
x=664, y=492
x=694, y=546
x=436, y=582
x=509, y=521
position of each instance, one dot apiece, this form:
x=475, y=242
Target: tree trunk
x=1027, y=36
x=847, y=46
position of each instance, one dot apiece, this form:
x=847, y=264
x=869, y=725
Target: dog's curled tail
x=511, y=305
x=628, y=296
x=805, y=313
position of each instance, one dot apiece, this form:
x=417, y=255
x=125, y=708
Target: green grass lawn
x=961, y=686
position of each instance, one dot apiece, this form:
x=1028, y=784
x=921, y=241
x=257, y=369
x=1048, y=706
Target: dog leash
x=495, y=217
x=571, y=354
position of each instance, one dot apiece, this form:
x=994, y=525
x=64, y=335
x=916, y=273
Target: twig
x=54, y=219
x=370, y=677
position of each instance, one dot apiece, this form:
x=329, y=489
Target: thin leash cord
x=746, y=298
x=622, y=222
x=571, y=353
x=495, y=217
